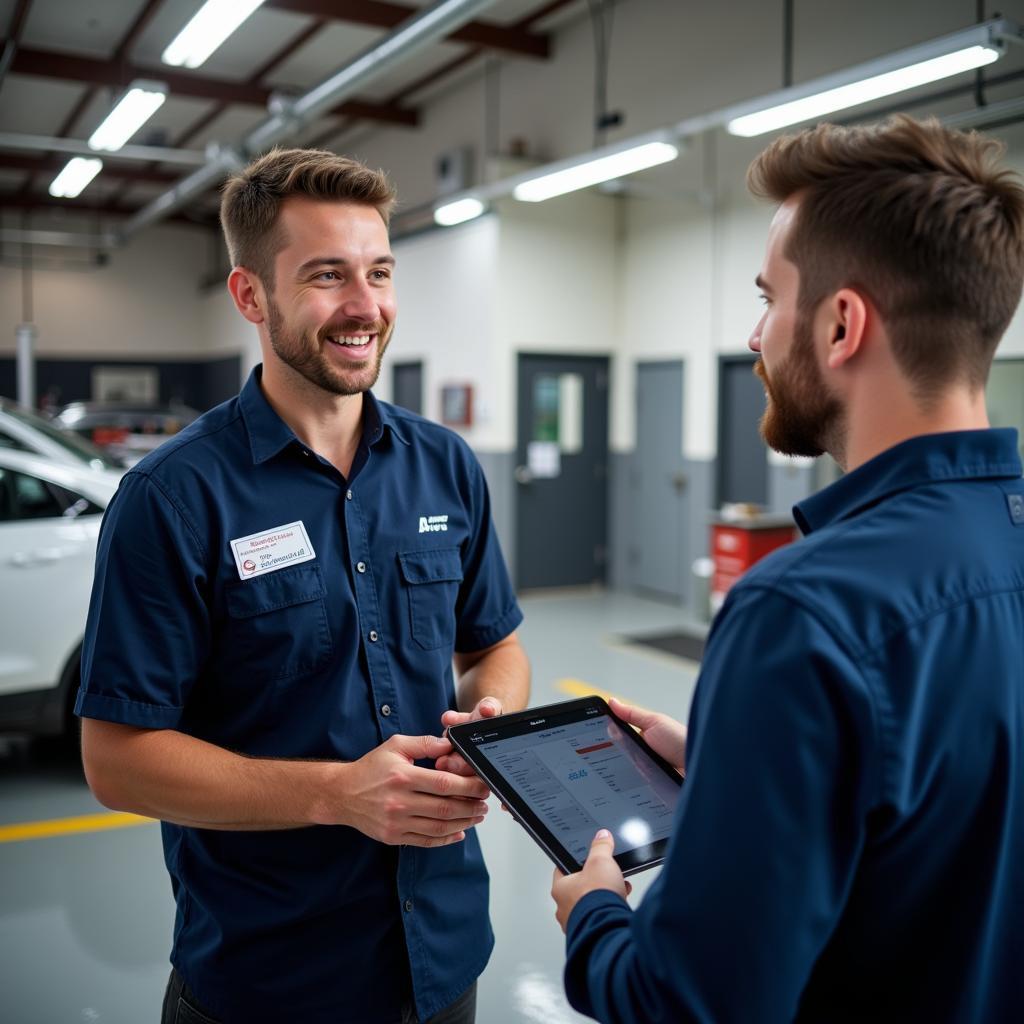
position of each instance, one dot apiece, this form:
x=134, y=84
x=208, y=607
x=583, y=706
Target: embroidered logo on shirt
x=271, y=550
x=433, y=524
x=1016, y=503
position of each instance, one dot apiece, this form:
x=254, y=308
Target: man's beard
x=304, y=353
x=802, y=417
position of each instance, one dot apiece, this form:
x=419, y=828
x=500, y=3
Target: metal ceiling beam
x=117, y=57
x=52, y=164
x=33, y=236
x=15, y=28
x=264, y=69
x=289, y=117
x=382, y=14
x=441, y=72
x=79, y=147
x=211, y=115
x=74, y=68
x=83, y=205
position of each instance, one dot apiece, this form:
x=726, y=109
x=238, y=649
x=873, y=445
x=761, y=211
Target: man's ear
x=845, y=316
x=247, y=291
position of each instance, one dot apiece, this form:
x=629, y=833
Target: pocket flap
x=280, y=589
x=439, y=565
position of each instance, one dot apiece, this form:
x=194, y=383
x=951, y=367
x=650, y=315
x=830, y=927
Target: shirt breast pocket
x=432, y=581
x=277, y=623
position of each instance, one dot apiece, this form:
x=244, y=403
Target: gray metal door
x=658, y=481
x=561, y=470
x=407, y=386
x=742, y=455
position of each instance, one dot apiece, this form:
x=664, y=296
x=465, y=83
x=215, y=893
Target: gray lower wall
x=499, y=470
x=786, y=485
x=702, y=474
x=699, y=501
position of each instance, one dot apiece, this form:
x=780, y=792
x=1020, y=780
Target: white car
x=49, y=520
x=26, y=431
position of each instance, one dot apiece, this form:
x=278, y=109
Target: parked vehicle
x=125, y=431
x=49, y=520
x=22, y=429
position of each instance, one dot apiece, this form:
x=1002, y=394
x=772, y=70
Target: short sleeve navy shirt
x=849, y=844
x=348, y=642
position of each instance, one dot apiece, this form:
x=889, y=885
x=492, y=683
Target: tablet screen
x=577, y=769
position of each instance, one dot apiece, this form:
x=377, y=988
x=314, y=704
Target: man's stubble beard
x=303, y=354
x=802, y=417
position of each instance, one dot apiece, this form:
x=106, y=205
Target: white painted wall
x=557, y=288
x=226, y=331
x=144, y=302
x=447, y=284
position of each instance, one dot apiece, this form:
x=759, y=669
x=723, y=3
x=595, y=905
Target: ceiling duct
x=289, y=116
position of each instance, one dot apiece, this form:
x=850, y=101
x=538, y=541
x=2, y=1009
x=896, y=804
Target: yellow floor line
x=578, y=688
x=68, y=826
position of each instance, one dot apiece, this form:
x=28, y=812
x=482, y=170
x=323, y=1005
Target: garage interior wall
x=663, y=270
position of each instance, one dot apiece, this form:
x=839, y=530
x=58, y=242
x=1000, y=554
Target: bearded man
x=849, y=844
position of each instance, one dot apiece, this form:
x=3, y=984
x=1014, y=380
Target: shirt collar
x=388, y=420
x=269, y=434
x=962, y=455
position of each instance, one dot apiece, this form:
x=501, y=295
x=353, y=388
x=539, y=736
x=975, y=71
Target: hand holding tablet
x=566, y=770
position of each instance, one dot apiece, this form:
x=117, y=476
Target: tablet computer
x=565, y=770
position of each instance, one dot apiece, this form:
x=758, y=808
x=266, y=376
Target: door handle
x=523, y=475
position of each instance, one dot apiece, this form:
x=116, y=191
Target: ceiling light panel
x=586, y=172
x=77, y=173
x=853, y=95
x=897, y=72
x=458, y=212
x=136, y=107
x=210, y=26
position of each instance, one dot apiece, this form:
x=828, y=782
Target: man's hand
x=389, y=798
x=489, y=707
x=664, y=735
x=599, y=872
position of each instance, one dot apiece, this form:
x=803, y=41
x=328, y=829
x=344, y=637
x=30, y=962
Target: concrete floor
x=85, y=918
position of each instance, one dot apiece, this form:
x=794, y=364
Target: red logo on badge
x=248, y=565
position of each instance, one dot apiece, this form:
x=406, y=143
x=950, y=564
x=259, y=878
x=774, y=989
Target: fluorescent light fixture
x=210, y=26
x=579, y=174
x=856, y=93
x=137, y=106
x=458, y=211
x=906, y=69
x=77, y=173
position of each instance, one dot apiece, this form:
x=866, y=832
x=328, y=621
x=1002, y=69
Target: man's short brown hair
x=252, y=199
x=919, y=218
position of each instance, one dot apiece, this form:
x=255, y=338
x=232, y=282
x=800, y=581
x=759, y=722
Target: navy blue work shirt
x=349, y=642
x=849, y=844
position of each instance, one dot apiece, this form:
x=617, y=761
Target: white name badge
x=270, y=550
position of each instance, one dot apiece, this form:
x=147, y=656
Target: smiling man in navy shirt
x=280, y=593
x=849, y=843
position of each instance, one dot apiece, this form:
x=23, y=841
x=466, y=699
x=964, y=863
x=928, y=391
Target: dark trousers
x=180, y=1007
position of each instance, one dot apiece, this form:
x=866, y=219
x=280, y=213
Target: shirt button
x=385, y=710
x=374, y=636
x=348, y=495
x=408, y=906
x=360, y=567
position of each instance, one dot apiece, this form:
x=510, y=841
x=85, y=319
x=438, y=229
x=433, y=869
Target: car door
x=47, y=550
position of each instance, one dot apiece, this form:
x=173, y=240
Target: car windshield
x=78, y=446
